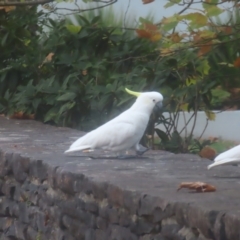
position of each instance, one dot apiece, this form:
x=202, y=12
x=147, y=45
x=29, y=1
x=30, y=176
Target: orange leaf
x=237, y=63
x=197, y=186
x=22, y=115
x=143, y=33
x=147, y=1
x=204, y=49
x=150, y=31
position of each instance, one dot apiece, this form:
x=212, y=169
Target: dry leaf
x=8, y=8
x=166, y=52
x=48, y=58
x=147, y=1
x=150, y=31
x=204, y=49
x=22, y=115
x=237, y=63
x=197, y=186
x=227, y=30
x=156, y=37
x=175, y=37
x=234, y=90
x=48, y=7
x=208, y=152
x=84, y=72
x=213, y=139
x=8, y=223
x=230, y=108
x=150, y=27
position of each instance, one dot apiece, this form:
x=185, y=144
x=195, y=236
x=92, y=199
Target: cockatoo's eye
x=154, y=100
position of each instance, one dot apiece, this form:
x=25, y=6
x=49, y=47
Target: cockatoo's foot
x=140, y=150
x=140, y=153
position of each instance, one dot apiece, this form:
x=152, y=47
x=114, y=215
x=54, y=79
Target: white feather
x=229, y=157
x=122, y=132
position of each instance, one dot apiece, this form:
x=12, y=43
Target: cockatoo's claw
x=140, y=150
x=140, y=153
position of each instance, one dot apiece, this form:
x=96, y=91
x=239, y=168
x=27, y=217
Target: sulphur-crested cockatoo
x=226, y=158
x=124, y=131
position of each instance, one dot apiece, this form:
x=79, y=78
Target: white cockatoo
x=124, y=131
x=231, y=156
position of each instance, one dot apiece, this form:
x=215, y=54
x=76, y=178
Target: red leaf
x=143, y=33
x=22, y=115
x=147, y=1
x=237, y=63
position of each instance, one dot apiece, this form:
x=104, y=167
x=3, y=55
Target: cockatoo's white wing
x=229, y=157
x=116, y=135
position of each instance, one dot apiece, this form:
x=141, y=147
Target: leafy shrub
x=75, y=74
x=20, y=56
x=82, y=84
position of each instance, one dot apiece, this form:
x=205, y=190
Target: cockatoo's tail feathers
x=211, y=165
x=223, y=162
x=136, y=94
x=229, y=157
x=79, y=148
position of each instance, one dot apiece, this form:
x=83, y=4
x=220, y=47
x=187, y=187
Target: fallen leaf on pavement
x=22, y=115
x=197, y=186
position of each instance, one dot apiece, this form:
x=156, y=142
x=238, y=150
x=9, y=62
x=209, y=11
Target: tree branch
x=28, y=3
x=38, y=2
x=74, y=11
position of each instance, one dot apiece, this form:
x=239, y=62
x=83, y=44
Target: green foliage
x=19, y=56
x=73, y=73
x=187, y=88
x=197, y=145
x=82, y=84
x=219, y=96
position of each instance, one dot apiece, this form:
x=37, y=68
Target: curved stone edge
x=40, y=201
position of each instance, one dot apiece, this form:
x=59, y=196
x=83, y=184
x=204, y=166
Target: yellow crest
x=136, y=94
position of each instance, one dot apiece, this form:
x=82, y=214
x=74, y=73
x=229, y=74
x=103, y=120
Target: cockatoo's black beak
x=158, y=107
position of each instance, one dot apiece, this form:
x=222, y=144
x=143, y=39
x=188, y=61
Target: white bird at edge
x=229, y=157
x=124, y=131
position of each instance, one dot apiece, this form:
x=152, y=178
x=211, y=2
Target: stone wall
x=45, y=195
x=41, y=202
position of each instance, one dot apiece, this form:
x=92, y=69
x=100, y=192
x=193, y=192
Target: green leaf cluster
x=74, y=74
